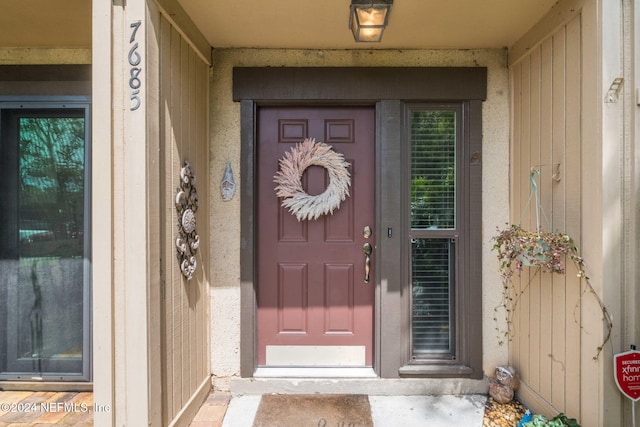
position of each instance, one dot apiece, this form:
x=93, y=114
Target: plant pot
x=538, y=254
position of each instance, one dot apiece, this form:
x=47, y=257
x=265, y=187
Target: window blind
x=432, y=261
x=433, y=229
x=433, y=174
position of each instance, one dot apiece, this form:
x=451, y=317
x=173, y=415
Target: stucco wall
x=225, y=147
x=15, y=56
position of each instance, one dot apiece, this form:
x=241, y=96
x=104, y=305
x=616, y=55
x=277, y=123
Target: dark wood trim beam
x=359, y=83
x=58, y=73
x=247, y=266
x=474, y=261
x=45, y=80
x=389, y=313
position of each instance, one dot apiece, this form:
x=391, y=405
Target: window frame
x=441, y=233
x=465, y=359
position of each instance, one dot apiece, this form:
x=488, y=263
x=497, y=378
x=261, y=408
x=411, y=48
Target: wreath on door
x=289, y=179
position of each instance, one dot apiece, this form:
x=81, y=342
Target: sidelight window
x=435, y=142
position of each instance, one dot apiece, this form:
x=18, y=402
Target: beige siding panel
x=558, y=106
x=201, y=166
x=184, y=153
x=203, y=135
x=524, y=217
x=202, y=317
x=516, y=202
x=156, y=218
x=528, y=218
x=573, y=202
x=203, y=373
x=184, y=85
x=546, y=182
x=168, y=217
x=546, y=101
x=175, y=280
x=602, y=191
x=533, y=374
x=193, y=287
x=174, y=15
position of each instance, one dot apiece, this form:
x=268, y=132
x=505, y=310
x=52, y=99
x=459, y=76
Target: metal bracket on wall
x=614, y=91
x=556, y=176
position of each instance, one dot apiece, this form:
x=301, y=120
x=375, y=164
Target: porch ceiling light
x=368, y=19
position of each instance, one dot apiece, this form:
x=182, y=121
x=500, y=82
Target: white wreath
x=289, y=179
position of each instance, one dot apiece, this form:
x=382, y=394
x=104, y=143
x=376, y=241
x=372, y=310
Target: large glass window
x=435, y=142
x=44, y=263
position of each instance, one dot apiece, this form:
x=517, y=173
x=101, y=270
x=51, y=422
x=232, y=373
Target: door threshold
x=314, y=372
x=75, y=386
x=371, y=386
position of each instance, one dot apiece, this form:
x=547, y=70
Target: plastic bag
x=501, y=393
x=507, y=375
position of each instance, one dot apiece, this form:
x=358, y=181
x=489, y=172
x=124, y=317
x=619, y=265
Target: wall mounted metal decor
x=188, y=240
x=228, y=185
x=289, y=179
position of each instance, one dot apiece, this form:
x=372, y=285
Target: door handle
x=367, y=249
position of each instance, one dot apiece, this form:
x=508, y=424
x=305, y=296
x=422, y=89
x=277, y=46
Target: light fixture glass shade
x=368, y=20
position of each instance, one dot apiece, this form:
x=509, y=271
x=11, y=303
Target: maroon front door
x=314, y=306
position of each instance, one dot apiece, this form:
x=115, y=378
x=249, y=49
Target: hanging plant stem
x=545, y=251
x=509, y=303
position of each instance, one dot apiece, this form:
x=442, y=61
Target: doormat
x=313, y=410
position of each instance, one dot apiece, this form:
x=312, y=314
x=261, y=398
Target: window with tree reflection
x=44, y=320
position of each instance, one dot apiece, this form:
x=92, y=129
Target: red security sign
x=627, y=372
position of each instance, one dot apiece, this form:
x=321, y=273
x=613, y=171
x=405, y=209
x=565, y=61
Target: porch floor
x=38, y=409
x=212, y=411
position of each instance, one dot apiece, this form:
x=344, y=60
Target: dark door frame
x=56, y=106
x=387, y=88
x=57, y=86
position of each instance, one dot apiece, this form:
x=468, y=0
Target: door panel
x=314, y=307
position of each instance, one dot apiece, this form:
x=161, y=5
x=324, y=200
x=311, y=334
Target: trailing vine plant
x=546, y=251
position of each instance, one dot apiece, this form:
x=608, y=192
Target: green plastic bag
x=560, y=420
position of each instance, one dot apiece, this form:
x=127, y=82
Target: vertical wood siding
x=546, y=105
x=183, y=122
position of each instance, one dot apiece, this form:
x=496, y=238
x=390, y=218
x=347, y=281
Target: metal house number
x=134, y=60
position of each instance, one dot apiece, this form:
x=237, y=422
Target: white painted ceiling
x=321, y=24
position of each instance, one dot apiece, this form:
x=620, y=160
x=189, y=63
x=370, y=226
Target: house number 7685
x=134, y=60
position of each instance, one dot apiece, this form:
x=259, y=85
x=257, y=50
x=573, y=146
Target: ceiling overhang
x=299, y=24
x=413, y=24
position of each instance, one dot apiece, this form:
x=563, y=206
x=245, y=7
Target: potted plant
x=545, y=250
